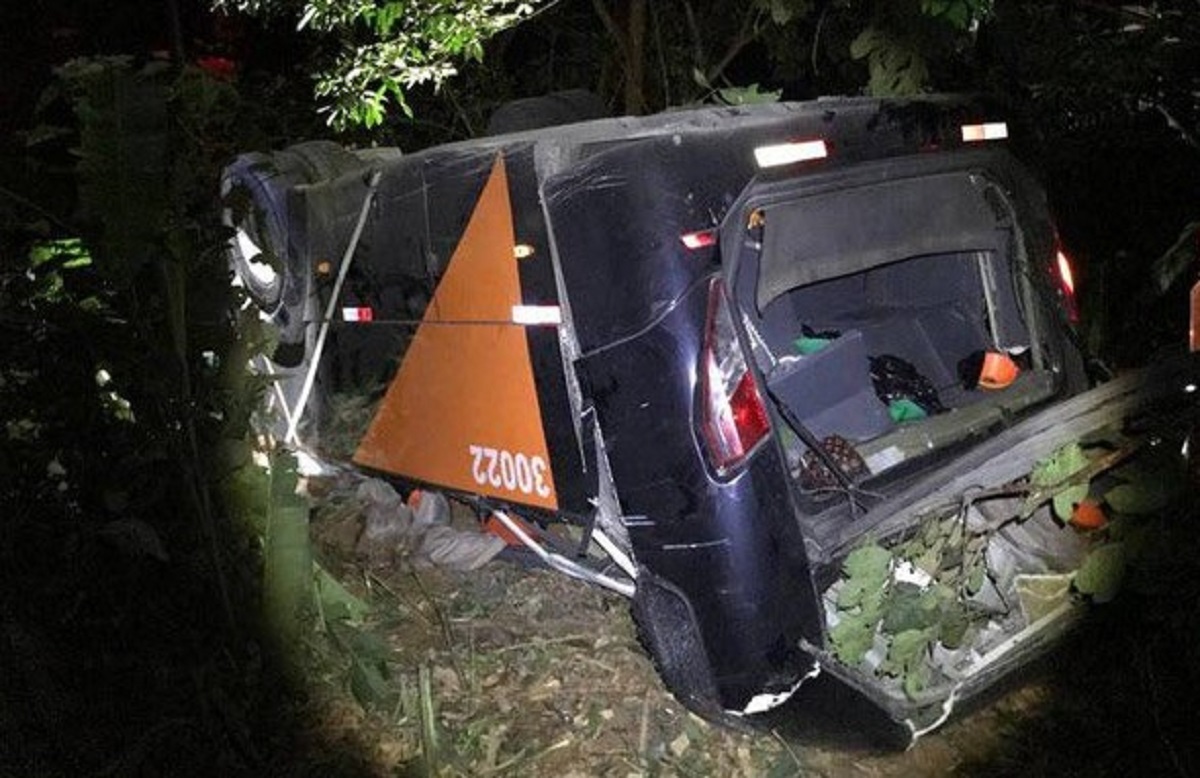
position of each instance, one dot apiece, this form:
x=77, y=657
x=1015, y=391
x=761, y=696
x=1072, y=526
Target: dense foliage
x=388, y=48
x=131, y=637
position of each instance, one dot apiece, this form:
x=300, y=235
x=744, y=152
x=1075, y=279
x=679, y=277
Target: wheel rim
x=254, y=259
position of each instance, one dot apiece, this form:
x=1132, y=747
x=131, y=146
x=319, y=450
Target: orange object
x=414, y=499
x=496, y=527
x=437, y=425
x=1088, y=514
x=999, y=370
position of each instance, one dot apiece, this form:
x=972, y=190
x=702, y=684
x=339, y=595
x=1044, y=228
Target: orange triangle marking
x=462, y=411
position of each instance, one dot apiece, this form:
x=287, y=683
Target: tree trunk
x=635, y=59
x=626, y=24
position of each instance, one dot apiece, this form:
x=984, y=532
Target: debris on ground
x=530, y=673
x=394, y=528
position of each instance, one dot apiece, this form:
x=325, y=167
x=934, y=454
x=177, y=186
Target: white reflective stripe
x=616, y=554
x=764, y=702
x=947, y=709
x=787, y=153
x=561, y=563
x=989, y=131
x=536, y=314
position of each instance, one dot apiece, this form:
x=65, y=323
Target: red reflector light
x=733, y=417
x=361, y=313
x=699, y=240
x=1066, y=284
x=749, y=415
x=1065, y=274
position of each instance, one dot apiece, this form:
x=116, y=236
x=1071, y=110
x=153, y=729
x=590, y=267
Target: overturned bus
x=759, y=354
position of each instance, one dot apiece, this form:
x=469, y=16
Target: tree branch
x=1174, y=124
x=817, y=39
x=748, y=33
x=31, y=205
x=662, y=58
x=1128, y=12
x=694, y=30
x=610, y=24
x=635, y=64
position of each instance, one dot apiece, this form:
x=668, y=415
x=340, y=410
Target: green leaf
x=930, y=561
x=1102, y=572
x=335, y=601
x=954, y=537
x=954, y=626
x=1053, y=471
x=748, y=95
x=1064, y=501
x=1059, y=466
x=851, y=595
x=430, y=735
x=248, y=492
x=123, y=160
x=287, y=554
x=866, y=570
x=368, y=683
x=781, y=12
x=906, y=608
x=370, y=646
x=1145, y=495
x=871, y=606
x=958, y=15
x=975, y=579
x=865, y=43
x=896, y=65
x=916, y=678
x=1138, y=536
x=852, y=637
x=907, y=649
x=70, y=252
x=871, y=562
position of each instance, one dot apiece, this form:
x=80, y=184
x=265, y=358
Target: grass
x=533, y=674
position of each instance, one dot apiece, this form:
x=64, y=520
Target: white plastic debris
x=392, y=528
x=907, y=572
x=431, y=507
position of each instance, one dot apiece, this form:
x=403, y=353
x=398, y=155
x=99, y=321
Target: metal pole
x=311, y=376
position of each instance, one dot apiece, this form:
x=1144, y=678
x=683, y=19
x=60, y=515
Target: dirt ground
x=535, y=674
